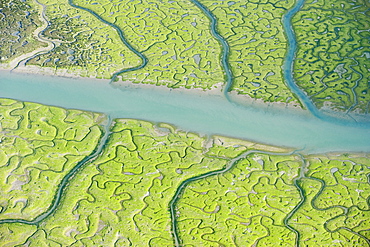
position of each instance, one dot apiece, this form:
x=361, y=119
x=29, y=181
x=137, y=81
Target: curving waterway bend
x=205, y=114
x=289, y=63
x=225, y=49
x=24, y=58
x=229, y=77
x=287, y=66
x=183, y=185
x=143, y=58
x=65, y=181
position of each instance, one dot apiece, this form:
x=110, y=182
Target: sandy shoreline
x=47, y=71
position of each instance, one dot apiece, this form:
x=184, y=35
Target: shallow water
x=204, y=114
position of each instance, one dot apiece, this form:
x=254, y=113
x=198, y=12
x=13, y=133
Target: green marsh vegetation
x=243, y=207
x=336, y=207
x=331, y=64
x=270, y=200
x=84, y=45
x=39, y=145
x=257, y=44
x=124, y=196
x=18, y=20
x=181, y=52
x=173, y=35
x=176, y=40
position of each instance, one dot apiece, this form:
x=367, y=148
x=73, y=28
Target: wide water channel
x=202, y=113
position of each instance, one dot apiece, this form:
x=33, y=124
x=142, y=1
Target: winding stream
x=65, y=181
x=225, y=48
x=23, y=59
x=289, y=59
x=123, y=39
x=288, y=66
x=183, y=185
x=207, y=114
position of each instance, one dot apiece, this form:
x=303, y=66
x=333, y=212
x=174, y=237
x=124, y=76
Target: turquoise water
x=289, y=61
x=204, y=114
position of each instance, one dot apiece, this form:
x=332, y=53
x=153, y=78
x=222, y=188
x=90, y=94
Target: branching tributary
x=288, y=66
x=225, y=48
x=288, y=61
x=123, y=39
x=303, y=195
x=288, y=75
x=65, y=181
x=185, y=183
x=23, y=59
x=213, y=27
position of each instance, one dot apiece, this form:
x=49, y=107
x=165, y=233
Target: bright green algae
x=336, y=207
x=123, y=196
x=243, y=207
x=182, y=52
x=331, y=63
x=175, y=39
x=15, y=234
x=39, y=145
x=178, y=44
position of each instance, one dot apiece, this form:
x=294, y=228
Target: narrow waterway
x=65, y=181
x=206, y=114
x=144, y=59
x=288, y=67
x=24, y=58
x=225, y=49
x=184, y=184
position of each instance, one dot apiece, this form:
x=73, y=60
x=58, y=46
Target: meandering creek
x=311, y=131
